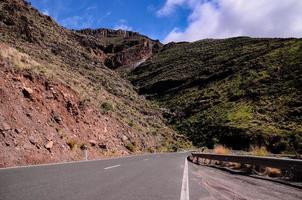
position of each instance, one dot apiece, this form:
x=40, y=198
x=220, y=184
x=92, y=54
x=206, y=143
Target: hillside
x=57, y=92
x=239, y=92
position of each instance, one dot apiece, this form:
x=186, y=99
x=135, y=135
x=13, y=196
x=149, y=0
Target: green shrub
x=130, y=146
x=131, y=123
x=106, y=107
x=151, y=149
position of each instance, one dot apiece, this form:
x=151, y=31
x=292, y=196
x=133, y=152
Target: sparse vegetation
x=131, y=123
x=130, y=146
x=259, y=151
x=238, y=92
x=219, y=149
x=72, y=144
x=151, y=149
x=106, y=107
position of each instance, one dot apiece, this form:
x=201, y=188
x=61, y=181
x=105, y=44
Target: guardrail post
x=194, y=159
x=85, y=151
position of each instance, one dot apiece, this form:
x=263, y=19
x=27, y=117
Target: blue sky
x=136, y=15
x=181, y=20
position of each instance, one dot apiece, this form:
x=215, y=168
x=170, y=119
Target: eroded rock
x=124, y=138
x=5, y=127
x=92, y=142
x=32, y=140
x=49, y=145
x=28, y=93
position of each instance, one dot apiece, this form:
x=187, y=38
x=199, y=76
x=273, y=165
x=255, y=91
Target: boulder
x=49, y=145
x=56, y=117
x=124, y=138
x=5, y=127
x=27, y=92
x=32, y=140
x=92, y=142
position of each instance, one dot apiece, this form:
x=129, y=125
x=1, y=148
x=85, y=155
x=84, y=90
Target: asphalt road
x=148, y=177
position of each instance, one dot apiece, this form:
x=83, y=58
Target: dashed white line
x=184, y=195
x=110, y=167
x=146, y=159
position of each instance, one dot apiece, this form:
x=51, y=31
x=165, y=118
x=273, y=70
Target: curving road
x=147, y=177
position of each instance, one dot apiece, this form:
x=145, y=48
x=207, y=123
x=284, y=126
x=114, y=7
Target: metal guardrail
x=294, y=165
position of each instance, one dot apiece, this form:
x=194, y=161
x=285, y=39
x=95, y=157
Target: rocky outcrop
x=119, y=48
x=108, y=33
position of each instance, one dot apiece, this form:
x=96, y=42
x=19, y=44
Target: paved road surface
x=148, y=177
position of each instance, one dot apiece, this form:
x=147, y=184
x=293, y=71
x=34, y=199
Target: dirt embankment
x=43, y=121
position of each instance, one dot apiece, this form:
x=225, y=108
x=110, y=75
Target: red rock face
x=38, y=126
x=121, y=48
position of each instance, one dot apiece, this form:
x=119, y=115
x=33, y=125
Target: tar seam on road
x=184, y=195
x=114, y=166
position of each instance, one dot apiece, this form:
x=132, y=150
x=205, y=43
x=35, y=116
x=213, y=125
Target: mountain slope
x=239, y=92
x=57, y=93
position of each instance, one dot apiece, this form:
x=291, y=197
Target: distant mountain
x=58, y=91
x=240, y=92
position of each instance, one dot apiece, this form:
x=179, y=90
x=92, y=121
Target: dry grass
x=273, y=172
x=219, y=149
x=72, y=144
x=19, y=59
x=259, y=151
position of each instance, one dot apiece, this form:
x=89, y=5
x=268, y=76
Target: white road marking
x=146, y=159
x=184, y=195
x=70, y=162
x=80, y=161
x=112, y=167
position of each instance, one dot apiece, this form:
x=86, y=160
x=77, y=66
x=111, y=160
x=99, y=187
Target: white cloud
x=91, y=8
x=123, y=25
x=169, y=6
x=77, y=22
x=230, y=18
x=45, y=12
x=100, y=19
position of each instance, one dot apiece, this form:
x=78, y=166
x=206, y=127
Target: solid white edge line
x=184, y=195
x=110, y=167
